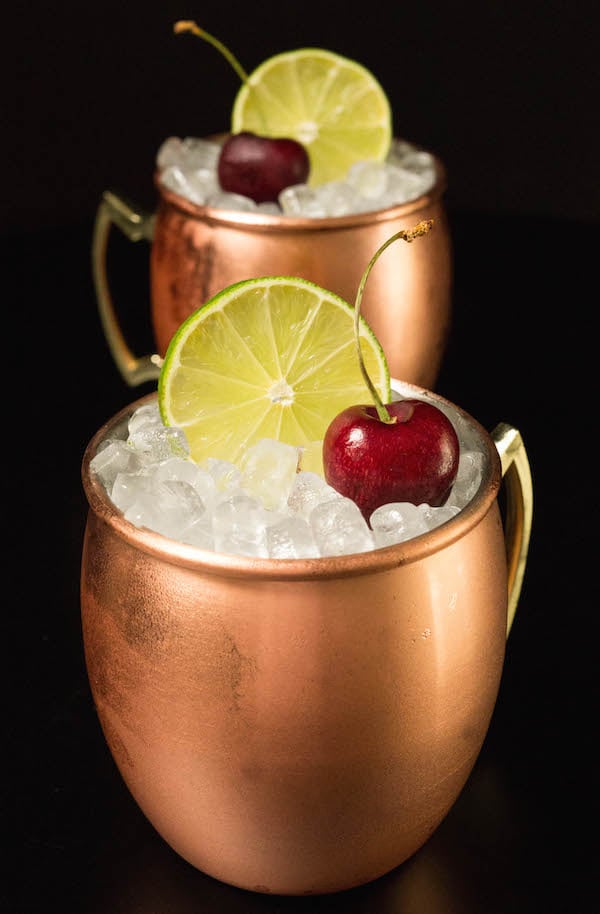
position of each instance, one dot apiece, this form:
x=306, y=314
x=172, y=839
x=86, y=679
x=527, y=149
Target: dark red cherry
x=412, y=459
x=260, y=167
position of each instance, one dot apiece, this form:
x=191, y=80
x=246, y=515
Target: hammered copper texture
x=198, y=251
x=297, y=726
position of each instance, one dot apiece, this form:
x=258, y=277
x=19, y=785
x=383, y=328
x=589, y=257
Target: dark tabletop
x=521, y=836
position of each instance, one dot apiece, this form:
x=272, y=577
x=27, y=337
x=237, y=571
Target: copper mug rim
x=376, y=560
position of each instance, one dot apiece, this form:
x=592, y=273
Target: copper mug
x=197, y=250
x=303, y=726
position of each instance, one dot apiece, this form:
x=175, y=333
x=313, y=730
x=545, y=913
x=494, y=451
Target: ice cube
x=436, y=515
x=202, y=184
x=291, y=538
x=396, y=522
x=168, y=507
x=339, y=527
x=157, y=443
x=403, y=185
x=199, y=534
x=181, y=470
x=226, y=475
x=268, y=470
x=146, y=416
x=309, y=489
x=368, y=178
x=303, y=201
x=188, y=155
x=199, y=153
x=221, y=199
x=113, y=457
x=338, y=198
x=468, y=478
x=466, y=431
x=239, y=524
x=420, y=162
x=129, y=487
x=174, y=179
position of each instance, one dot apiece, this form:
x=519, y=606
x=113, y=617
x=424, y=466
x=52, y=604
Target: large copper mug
x=303, y=726
x=197, y=250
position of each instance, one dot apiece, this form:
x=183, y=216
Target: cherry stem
x=187, y=25
x=406, y=235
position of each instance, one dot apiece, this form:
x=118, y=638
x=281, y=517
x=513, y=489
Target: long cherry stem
x=406, y=235
x=185, y=25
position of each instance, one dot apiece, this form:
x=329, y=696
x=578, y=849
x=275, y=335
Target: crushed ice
x=188, y=167
x=268, y=506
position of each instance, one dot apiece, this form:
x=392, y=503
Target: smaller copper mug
x=196, y=251
x=302, y=726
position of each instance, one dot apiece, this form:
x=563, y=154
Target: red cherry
x=413, y=459
x=260, y=167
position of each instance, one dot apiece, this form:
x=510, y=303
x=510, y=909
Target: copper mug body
x=196, y=251
x=302, y=726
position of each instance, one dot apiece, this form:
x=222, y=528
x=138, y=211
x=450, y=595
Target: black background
x=506, y=94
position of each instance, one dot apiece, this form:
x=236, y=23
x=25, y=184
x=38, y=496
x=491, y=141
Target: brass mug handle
x=136, y=225
x=516, y=474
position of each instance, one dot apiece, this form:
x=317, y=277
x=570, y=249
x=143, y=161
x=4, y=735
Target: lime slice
x=332, y=105
x=273, y=357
